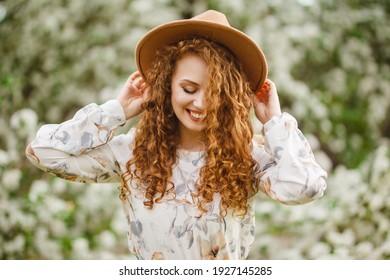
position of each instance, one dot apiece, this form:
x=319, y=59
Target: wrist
x=279, y=120
x=272, y=115
x=115, y=108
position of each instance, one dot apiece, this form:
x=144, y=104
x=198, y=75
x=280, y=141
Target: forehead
x=191, y=66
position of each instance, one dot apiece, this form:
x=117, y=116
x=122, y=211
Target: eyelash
x=189, y=91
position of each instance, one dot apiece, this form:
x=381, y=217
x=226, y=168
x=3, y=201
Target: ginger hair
x=229, y=168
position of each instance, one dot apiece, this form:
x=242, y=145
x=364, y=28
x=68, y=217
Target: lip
x=194, y=119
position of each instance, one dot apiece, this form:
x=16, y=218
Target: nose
x=199, y=100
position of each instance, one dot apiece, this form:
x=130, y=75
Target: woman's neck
x=191, y=140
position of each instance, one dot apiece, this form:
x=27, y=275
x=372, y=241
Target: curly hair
x=229, y=167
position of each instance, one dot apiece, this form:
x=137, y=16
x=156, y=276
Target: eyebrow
x=189, y=81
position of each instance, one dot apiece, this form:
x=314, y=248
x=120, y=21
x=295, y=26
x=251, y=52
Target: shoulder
x=122, y=145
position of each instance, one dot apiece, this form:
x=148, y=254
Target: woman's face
x=188, y=87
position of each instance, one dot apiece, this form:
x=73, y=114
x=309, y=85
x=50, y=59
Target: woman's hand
x=133, y=94
x=266, y=102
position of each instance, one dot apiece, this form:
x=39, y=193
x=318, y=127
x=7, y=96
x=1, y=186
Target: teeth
x=198, y=116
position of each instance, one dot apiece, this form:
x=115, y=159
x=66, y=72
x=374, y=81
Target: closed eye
x=190, y=91
x=189, y=86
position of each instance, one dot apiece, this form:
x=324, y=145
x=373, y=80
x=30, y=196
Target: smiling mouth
x=196, y=116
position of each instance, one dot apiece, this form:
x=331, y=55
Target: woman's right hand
x=133, y=94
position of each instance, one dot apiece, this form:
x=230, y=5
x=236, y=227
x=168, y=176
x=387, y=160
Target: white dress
x=84, y=149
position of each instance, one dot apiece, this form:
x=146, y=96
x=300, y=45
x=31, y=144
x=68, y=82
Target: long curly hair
x=229, y=167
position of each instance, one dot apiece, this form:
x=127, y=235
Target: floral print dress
x=84, y=149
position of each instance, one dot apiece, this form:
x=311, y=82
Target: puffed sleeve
x=80, y=149
x=289, y=172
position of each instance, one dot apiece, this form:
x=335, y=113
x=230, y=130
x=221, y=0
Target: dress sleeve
x=79, y=149
x=289, y=172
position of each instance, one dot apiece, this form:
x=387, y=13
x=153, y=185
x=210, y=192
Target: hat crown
x=212, y=16
x=209, y=24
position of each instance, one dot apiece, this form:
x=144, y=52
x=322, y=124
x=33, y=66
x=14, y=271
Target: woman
x=191, y=167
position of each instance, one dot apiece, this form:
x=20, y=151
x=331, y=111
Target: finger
x=143, y=86
x=267, y=91
x=132, y=78
x=135, y=75
x=146, y=93
x=271, y=85
x=263, y=96
x=137, y=82
x=257, y=100
x=264, y=88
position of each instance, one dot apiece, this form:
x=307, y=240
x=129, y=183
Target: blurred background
x=330, y=60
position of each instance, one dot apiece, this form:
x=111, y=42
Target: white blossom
x=38, y=189
x=11, y=178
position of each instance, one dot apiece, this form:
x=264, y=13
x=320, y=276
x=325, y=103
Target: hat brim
x=243, y=47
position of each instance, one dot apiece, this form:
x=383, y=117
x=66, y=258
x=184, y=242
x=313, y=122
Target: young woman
x=191, y=168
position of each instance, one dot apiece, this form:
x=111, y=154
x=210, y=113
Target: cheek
x=177, y=99
x=175, y=102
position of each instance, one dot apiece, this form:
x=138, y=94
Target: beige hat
x=210, y=24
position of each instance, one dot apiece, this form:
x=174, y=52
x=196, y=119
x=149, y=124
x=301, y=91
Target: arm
x=288, y=170
x=75, y=150
x=80, y=149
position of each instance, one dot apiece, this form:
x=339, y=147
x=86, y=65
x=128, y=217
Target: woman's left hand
x=266, y=102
